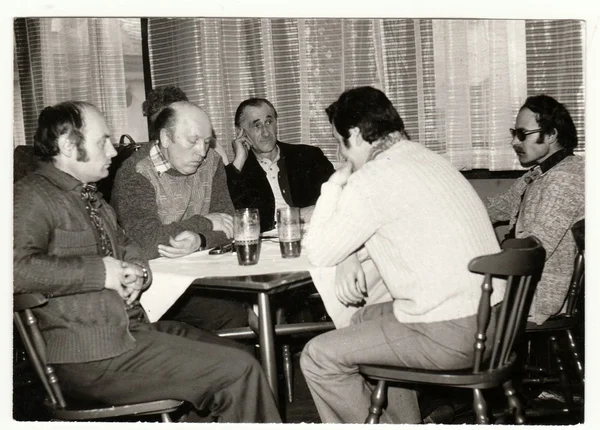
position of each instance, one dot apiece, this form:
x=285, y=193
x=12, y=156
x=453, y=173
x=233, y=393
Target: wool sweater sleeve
x=560, y=205
x=134, y=200
x=34, y=269
x=339, y=225
x=503, y=205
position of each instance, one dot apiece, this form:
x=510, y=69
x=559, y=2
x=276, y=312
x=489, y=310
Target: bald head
x=185, y=134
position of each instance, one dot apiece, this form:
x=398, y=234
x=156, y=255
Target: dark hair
x=165, y=120
x=161, y=97
x=56, y=121
x=550, y=115
x=367, y=108
x=254, y=102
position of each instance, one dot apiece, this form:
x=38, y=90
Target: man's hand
x=341, y=175
x=114, y=275
x=221, y=222
x=306, y=214
x=131, y=295
x=133, y=276
x=350, y=281
x=183, y=244
x=241, y=146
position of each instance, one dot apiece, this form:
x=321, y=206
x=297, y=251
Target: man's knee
x=309, y=356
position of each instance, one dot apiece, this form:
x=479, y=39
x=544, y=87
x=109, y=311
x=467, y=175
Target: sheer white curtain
x=70, y=59
x=480, y=83
x=457, y=84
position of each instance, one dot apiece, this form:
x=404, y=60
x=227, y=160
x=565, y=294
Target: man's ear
x=355, y=135
x=551, y=137
x=65, y=146
x=164, y=138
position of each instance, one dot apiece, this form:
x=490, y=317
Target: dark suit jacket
x=302, y=170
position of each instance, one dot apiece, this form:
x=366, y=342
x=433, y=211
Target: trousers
x=330, y=361
x=209, y=310
x=173, y=360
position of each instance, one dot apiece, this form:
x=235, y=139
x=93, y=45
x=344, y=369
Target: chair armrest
x=28, y=301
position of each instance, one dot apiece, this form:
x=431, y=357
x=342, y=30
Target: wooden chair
x=60, y=409
x=520, y=263
x=563, y=325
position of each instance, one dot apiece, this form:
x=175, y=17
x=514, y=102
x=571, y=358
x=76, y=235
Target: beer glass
x=246, y=236
x=289, y=231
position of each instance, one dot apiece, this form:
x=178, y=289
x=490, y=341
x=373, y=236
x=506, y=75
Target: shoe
x=551, y=395
x=443, y=414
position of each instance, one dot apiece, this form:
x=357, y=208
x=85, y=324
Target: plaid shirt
x=161, y=164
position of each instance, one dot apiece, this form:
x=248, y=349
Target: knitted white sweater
x=421, y=223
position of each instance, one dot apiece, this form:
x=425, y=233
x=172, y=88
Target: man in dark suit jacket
x=268, y=174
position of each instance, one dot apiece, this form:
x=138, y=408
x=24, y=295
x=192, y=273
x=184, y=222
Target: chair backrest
x=24, y=161
x=124, y=151
x=520, y=263
x=34, y=344
x=576, y=285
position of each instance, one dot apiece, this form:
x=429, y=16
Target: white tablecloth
x=172, y=276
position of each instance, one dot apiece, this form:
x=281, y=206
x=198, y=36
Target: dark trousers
x=210, y=310
x=173, y=360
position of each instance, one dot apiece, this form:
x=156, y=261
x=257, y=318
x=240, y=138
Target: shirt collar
x=62, y=179
x=161, y=164
x=266, y=162
x=554, y=159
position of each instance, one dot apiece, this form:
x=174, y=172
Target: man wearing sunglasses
x=548, y=199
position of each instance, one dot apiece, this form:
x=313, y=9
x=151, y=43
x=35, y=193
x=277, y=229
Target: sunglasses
x=521, y=133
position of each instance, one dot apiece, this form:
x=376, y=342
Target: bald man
x=172, y=197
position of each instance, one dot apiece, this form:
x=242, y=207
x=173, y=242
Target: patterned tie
x=88, y=194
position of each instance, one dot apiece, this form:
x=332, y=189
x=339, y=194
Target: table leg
x=267, y=341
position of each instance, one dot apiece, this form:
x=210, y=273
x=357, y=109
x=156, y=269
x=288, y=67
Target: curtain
x=60, y=59
x=555, y=66
x=458, y=84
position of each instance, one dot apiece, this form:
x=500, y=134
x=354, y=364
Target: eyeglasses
x=521, y=133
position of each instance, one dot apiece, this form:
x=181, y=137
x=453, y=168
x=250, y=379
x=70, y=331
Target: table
x=264, y=286
x=273, y=274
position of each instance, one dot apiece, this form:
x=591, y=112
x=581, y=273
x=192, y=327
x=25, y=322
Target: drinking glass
x=246, y=235
x=289, y=230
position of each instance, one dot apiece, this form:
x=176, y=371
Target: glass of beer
x=246, y=235
x=289, y=230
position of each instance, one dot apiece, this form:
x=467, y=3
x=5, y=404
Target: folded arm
x=338, y=226
x=134, y=199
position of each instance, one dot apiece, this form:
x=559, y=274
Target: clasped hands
x=125, y=278
x=350, y=281
x=188, y=241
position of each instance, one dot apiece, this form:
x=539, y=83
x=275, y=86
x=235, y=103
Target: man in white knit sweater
x=420, y=222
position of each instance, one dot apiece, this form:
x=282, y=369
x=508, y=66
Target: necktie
x=88, y=194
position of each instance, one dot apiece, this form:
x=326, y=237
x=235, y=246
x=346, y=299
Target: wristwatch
x=146, y=275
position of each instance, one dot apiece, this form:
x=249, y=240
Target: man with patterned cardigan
x=68, y=246
x=548, y=199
